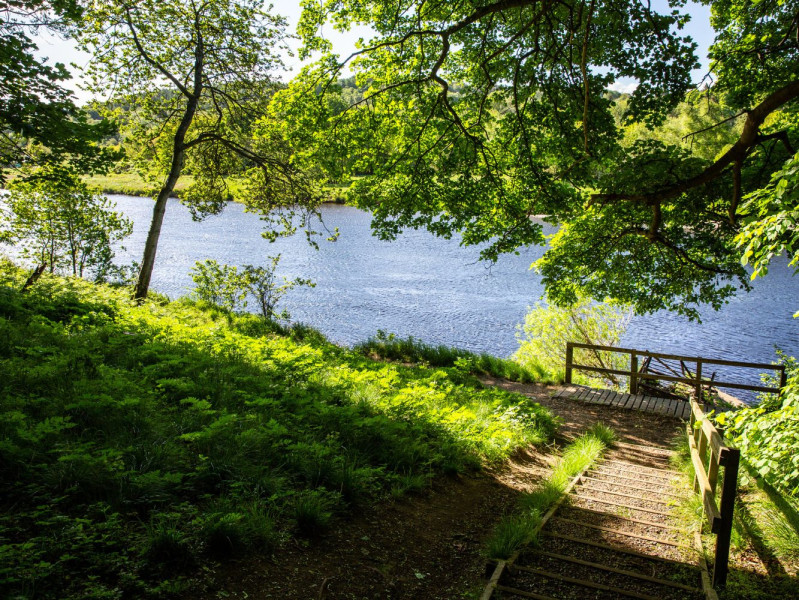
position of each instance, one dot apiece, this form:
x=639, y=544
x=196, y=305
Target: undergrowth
x=760, y=529
x=523, y=527
x=387, y=346
x=138, y=442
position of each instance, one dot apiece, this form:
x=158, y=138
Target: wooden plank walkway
x=662, y=406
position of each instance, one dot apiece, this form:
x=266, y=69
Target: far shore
x=131, y=184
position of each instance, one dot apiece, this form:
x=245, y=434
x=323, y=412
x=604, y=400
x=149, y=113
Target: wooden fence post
x=633, y=373
x=569, y=361
x=699, y=382
x=730, y=459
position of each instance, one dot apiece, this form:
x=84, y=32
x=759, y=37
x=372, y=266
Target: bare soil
x=429, y=546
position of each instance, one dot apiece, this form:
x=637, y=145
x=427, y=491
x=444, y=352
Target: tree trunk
x=178, y=156
x=34, y=277
x=150, y=247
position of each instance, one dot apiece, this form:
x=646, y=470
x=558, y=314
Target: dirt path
x=426, y=547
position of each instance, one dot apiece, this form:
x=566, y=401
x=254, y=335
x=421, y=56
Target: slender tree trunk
x=178, y=157
x=34, y=277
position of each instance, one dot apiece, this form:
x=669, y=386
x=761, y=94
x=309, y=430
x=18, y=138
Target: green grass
x=522, y=528
x=132, y=184
x=410, y=350
x=138, y=442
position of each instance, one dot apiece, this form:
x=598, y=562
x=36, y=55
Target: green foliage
x=523, y=527
x=222, y=285
x=140, y=440
x=486, y=102
x=513, y=532
x=768, y=435
x=603, y=433
x=773, y=227
x=197, y=74
x=56, y=221
x=388, y=347
x=312, y=513
x=229, y=288
x=40, y=122
x=546, y=330
x=759, y=526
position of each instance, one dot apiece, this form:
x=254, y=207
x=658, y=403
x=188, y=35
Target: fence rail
x=697, y=381
x=709, y=454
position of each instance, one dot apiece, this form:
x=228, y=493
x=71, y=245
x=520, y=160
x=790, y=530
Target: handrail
x=696, y=381
x=704, y=437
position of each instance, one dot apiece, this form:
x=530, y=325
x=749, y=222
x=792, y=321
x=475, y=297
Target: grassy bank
x=142, y=443
x=132, y=184
x=386, y=346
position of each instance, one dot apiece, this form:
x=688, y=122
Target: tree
x=546, y=330
x=773, y=227
x=198, y=73
x=39, y=121
x=479, y=115
x=59, y=224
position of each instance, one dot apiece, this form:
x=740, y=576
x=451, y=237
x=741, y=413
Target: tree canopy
x=39, y=121
x=480, y=115
x=198, y=75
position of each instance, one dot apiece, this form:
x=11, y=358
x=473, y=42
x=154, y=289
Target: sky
x=64, y=51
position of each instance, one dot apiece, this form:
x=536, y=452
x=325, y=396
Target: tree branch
x=749, y=137
x=149, y=59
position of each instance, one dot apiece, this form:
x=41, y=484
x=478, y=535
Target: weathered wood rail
x=697, y=381
x=709, y=455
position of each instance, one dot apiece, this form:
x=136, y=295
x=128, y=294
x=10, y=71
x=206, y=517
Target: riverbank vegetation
x=387, y=346
x=140, y=441
x=546, y=330
x=174, y=431
x=764, y=554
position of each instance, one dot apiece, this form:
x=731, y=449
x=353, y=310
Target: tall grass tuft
x=389, y=347
x=513, y=532
x=522, y=528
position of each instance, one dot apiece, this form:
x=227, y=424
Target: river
x=435, y=290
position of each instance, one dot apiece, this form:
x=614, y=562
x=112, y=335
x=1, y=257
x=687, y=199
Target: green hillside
x=140, y=443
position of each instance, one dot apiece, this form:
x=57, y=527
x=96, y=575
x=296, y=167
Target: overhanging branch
x=749, y=137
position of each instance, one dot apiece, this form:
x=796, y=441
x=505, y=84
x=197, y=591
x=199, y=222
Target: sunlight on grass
x=523, y=527
x=135, y=435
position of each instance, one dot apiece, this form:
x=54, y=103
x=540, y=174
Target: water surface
x=436, y=290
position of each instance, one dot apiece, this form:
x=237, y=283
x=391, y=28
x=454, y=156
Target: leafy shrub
x=546, y=330
x=769, y=439
x=768, y=433
x=229, y=287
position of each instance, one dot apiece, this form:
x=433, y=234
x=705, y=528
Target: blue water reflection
x=434, y=289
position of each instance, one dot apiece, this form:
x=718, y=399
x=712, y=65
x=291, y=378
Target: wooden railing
x=709, y=454
x=696, y=379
